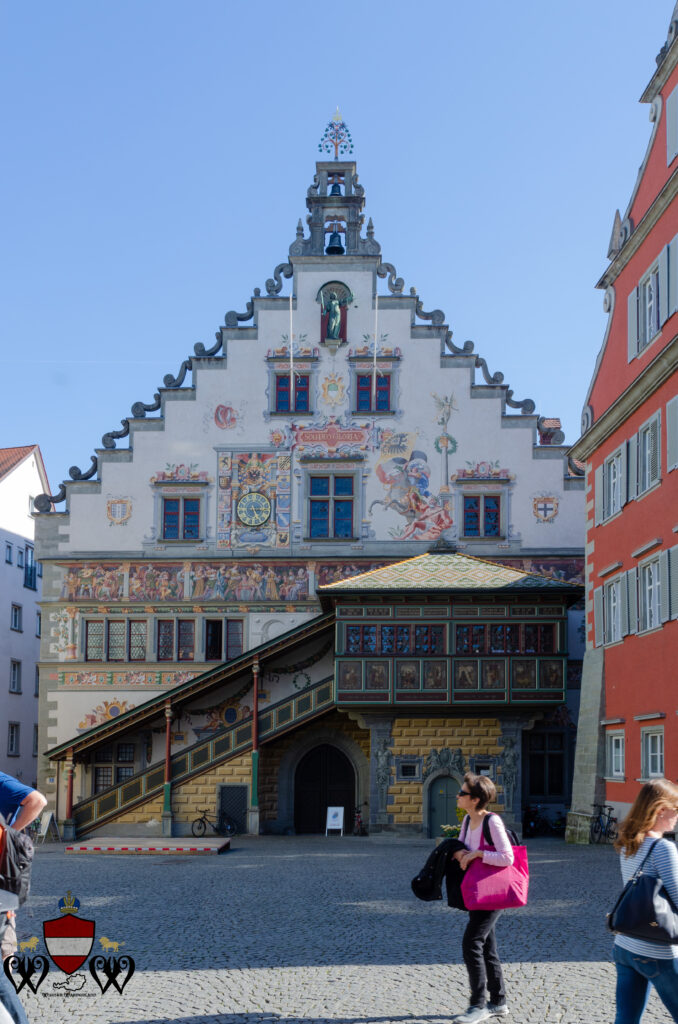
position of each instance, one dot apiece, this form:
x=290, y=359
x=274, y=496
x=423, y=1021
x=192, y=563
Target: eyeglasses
x=464, y=792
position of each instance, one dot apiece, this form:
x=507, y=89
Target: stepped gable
x=327, y=209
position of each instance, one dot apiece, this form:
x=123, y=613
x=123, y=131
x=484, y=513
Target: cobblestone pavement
x=311, y=929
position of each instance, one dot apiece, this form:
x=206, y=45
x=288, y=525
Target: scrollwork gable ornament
x=445, y=762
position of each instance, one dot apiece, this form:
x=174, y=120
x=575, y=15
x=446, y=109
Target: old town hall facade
x=208, y=638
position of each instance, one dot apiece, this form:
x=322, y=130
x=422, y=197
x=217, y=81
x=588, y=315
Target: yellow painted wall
x=202, y=791
x=141, y=815
x=416, y=737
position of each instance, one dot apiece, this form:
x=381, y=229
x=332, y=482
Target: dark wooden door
x=324, y=778
x=442, y=806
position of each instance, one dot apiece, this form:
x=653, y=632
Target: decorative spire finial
x=336, y=137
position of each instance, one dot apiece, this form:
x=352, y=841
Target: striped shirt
x=502, y=855
x=662, y=863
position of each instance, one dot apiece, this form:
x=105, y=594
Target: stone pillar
x=510, y=768
x=253, y=814
x=588, y=786
x=167, y=801
x=69, y=823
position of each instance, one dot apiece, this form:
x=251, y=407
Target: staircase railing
x=203, y=755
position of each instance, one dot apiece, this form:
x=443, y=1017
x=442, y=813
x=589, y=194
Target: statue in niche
x=334, y=298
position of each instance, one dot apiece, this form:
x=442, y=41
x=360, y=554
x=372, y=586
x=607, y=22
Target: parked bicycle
x=358, y=826
x=603, y=825
x=225, y=826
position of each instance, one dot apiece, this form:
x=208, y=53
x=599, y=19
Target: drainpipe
x=167, y=789
x=69, y=824
x=253, y=824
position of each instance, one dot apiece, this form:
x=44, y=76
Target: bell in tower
x=335, y=248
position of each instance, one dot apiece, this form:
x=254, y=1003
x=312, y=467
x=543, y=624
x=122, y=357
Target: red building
x=628, y=726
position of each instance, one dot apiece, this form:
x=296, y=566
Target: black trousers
x=479, y=946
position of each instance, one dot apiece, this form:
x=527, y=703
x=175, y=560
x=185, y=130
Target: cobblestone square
x=315, y=929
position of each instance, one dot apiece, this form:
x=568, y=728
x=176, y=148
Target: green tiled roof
x=445, y=572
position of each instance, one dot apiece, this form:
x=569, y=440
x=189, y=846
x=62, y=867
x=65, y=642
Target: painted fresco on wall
x=435, y=675
x=334, y=572
x=301, y=351
x=104, y=712
x=225, y=417
x=405, y=474
x=85, y=680
x=545, y=507
x=524, y=674
x=466, y=675
x=249, y=581
x=376, y=675
x=88, y=582
x=63, y=633
x=551, y=675
x=333, y=389
x=118, y=511
x=180, y=472
x=154, y=581
x=569, y=570
x=407, y=675
x=482, y=471
x=350, y=675
x=253, y=499
x=327, y=436
x=493, y=675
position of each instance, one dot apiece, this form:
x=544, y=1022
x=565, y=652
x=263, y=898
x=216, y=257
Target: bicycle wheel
x=198, y=828
x=612, y=830
x=596, y=831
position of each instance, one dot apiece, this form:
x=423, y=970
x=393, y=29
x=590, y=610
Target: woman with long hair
x=479, y=944
x=640, y=962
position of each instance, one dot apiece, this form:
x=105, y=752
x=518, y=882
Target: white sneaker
x=498, y=1009
x=473, y=1014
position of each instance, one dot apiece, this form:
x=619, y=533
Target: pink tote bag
x=485, y=887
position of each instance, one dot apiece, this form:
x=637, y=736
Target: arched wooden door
x=442, y=803
x=324, y=778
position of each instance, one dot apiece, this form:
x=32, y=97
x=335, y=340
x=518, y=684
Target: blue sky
x=157, y=155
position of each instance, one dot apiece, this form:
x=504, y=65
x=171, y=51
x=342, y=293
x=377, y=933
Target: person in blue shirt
x=641, y=963
x=19, y=806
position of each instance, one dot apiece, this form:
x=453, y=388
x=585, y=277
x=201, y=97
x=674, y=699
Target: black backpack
x=16, y=861
x=512, y=837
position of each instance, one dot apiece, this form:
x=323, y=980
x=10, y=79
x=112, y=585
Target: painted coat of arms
x=68, y=938
x=545, y=507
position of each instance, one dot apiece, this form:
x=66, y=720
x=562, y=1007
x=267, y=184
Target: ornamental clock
x=253, y=509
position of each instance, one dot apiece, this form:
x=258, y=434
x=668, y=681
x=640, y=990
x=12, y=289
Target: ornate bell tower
x=335, y=201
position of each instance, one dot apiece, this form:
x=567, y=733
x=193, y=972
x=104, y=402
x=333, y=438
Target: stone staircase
x=276, y=719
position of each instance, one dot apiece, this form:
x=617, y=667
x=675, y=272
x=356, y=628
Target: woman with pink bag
x=479, y=944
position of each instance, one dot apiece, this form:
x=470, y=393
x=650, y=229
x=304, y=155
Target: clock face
x=254, y=509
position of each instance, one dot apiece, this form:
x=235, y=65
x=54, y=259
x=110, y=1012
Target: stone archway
x=324, y=778
x=426, y=794
x=291, y=759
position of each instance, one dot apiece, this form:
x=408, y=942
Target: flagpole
x=291, y=360
x=374, y=371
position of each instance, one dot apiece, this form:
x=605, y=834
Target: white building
x=22, y=478
x=234, y=494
